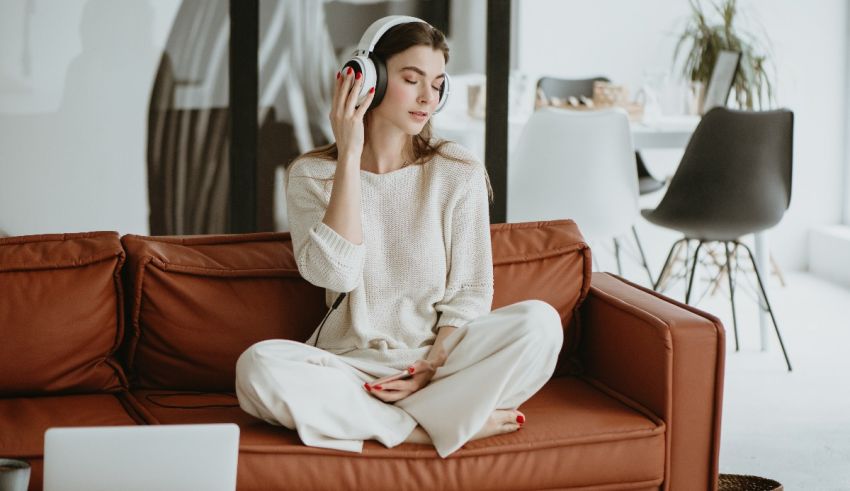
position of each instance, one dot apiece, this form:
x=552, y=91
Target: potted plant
x=751, y=84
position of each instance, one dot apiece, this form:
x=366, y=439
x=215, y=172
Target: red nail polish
x=358, y=75
x=350, y=70
x=377, y=387
x=372, y=90
x=520, y=419
x=367, y=387
x=411, y=369
x=337, y=75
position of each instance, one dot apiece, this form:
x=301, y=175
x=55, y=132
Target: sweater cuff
x=336, y=245
x=451, y=321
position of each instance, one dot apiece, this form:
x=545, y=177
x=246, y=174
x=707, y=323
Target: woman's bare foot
x=501, y=421
x=418, y=435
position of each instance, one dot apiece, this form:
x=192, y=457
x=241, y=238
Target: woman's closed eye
x=413, y=82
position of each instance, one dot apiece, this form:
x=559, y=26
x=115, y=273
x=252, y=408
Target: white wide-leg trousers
x=497, y=361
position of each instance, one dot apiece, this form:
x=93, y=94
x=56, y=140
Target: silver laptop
x=129, y=458
x=722, y=79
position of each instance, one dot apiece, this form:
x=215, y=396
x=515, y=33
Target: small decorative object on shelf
x=605, y=94
x=476, y=99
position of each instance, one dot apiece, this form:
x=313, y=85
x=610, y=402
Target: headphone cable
x=333, y=307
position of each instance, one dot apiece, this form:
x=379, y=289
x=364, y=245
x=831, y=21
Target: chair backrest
x=735, y=174
x=563, y=88
x=578, y=165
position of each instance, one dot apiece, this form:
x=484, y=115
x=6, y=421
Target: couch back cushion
x=196, y=303
x=60, y=313
x=547, y=260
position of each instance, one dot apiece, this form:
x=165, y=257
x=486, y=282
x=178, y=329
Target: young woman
x=400, y=222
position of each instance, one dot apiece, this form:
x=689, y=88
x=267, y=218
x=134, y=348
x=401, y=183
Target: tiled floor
x=791, y=427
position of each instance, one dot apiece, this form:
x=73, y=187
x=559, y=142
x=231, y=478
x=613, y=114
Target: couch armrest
x=666, y=356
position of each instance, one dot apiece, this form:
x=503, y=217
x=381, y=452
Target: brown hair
x=394, y=41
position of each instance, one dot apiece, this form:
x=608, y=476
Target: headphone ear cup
x=444, y=93
x=380, y=80
x=366, y=68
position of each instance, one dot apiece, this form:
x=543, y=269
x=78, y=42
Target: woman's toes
x=501, y=421
x=511, y=426
x=512, y=420
x=520, y=418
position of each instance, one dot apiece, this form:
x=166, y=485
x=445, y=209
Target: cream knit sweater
x=425, y=261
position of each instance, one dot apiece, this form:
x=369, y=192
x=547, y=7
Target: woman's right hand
x=346, y=119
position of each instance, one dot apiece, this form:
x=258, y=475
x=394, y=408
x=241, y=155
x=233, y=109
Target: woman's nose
x=426, y=96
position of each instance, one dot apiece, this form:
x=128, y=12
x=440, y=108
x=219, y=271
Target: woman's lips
x=419, y=116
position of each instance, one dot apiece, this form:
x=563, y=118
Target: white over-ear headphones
x=374, y=69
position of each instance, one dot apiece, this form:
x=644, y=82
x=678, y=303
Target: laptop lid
x=160, y=457
x=722, y=78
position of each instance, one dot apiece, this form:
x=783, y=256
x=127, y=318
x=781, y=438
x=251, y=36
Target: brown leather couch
x=98, y=330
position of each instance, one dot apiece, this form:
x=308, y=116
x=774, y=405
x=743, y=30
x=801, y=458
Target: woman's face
x=414, y=79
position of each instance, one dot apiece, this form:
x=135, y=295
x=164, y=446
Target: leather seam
x=223, y=272
x=524, y=447
x=98, y=257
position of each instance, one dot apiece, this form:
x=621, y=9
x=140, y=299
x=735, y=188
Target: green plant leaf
x=702, y=40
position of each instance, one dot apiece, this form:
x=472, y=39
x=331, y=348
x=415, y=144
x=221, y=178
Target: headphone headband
x=378, y=28
x=374, y=69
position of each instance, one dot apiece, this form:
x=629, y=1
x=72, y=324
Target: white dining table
x=671, y=132
x=662, y=132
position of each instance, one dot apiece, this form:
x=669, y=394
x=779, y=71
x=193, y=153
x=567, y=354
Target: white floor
x=790, y=427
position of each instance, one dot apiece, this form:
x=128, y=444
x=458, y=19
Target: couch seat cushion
x=573, y=435
x=24, y=420
x=60, y=313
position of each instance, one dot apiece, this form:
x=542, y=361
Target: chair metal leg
x=693, y=273
x=617, y=254
x=731, y=292
x=662, y=275
x=777, y=271
x=721, y=271
x=642, y=256
x=767, y=303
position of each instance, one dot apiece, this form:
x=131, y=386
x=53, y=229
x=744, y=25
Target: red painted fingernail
x=358, y=75
x=372, y=90
x=337, y=75
x=377, y=387
x=350, y=70
x=367, y=387
x=520, y=419
x=411, y=369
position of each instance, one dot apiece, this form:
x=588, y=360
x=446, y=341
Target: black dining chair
x=734, y=179
x=564, y=88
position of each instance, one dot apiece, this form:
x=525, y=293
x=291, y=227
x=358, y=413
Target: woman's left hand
x=396, y=390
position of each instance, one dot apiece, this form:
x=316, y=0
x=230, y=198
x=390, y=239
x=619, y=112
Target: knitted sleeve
x=325, y=258
x=469, y=286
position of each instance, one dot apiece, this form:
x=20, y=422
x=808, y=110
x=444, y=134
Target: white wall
x=622, y=39
x=75, y=81
x=73, y=120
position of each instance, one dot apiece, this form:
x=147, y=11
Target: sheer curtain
x=188, y=132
